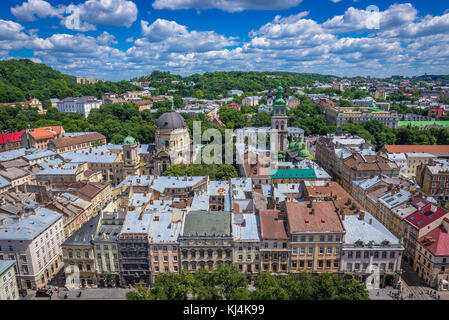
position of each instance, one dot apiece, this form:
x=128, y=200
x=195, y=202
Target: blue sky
x=121, y=39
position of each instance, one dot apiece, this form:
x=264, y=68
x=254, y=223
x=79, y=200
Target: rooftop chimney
x=362, y=215
x=370, y=221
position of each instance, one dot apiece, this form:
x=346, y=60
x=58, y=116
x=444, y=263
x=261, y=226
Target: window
x=350, y=254
x=329, y=250
x=393, y=255
x=302, y=250
x=164, y=248
x=358, y=254
x=295, y=251
x=337, y=238
x=366, y=255
x=349, y=266
x=321, y=250
x=330, y=238
x=265, y=245
x=174, y=249
x=303, y=238
x=86, y=254
x=78, y=253
x=321, y=238
x=275, y=245
x=165, y=258
x=295, y=238
x=384, y=254
x=310, y=251
x=310, y=238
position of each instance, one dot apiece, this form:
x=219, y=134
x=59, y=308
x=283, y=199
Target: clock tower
x=279, y=122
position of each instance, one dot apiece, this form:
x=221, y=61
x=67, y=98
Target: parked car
x=43, y=293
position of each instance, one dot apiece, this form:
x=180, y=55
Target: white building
x=370, y=252
x=251, y=101
x=78, y=105
x=32, y=238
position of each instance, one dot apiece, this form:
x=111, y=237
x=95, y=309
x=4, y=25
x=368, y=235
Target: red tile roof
x=320, y=217
x=70, y=141
x=93, y=188
x=428, y=214
x=45, y=132
x=11, y=137
x=436, y=241
x=271, y=227
x=417, y=148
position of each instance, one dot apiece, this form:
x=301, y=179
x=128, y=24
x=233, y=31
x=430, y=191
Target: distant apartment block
x=81, y=105
x=84, y=80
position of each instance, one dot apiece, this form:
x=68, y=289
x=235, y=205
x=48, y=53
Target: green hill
x=212, y=85
x=21, y=78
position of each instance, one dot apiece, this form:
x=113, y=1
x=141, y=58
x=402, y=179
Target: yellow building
x=416, y=159
x=78, y=256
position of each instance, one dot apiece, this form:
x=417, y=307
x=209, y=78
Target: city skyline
x=126, y=39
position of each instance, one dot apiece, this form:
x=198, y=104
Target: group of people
x=433, y=294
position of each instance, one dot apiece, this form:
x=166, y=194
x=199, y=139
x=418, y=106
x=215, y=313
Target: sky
x=121, y=39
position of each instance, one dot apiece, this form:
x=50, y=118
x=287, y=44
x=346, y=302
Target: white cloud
x=356, y=20
x=226, y=5
x=33, y=9
x=162, y=29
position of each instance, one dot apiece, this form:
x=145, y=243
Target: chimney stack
x=362, y=215
x=370, y=221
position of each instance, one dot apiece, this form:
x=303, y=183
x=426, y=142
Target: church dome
x=304, y=153
x=129, y=140
x=171, y=120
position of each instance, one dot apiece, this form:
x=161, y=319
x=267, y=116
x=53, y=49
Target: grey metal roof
x=170, y=121
x=29, y=227
x=164, y=229
x=245, y=227
x=362, y=230
x=84, y=235
x=5, y=265
x=209, y=223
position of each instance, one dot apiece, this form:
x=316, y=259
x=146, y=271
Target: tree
x=229, y=281
x=268, y=288
x=261, y=119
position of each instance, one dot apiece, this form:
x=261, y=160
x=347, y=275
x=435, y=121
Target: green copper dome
x=304, y=153
x=279, y=100
x=129, y=140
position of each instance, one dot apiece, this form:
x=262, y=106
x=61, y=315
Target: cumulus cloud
x=85, y=16
x=226, y=5
x=33, y=9
x=356, y=20
x=405, y=44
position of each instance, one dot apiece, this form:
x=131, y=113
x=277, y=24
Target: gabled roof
x=428, y=214
x=417, y=148
x=271, y=227
x=69, y=141
x=45, y=132
x=11, y=137
x=436, y=241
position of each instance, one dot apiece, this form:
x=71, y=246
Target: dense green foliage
x=308, y=116
x=115, y=121
x=214, y=171
x=20, y=79
x=212, y=85
x=227, y=283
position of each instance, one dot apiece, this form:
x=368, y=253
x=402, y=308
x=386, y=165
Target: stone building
x=133, y=247
x=275, y=245
x=79, y=259
x=206, y=240
x=32, y=238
